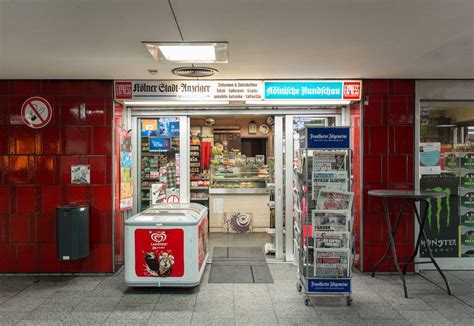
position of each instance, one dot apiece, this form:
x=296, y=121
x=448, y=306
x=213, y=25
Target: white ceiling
x=268, y=39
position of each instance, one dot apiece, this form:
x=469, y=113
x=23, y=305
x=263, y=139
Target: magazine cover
x=336, y=221
x=331, y=263
x=331, y=239
x=332, y=180
x=334, y=200
x=329, y=161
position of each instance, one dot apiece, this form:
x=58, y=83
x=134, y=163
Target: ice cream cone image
x=165, y=266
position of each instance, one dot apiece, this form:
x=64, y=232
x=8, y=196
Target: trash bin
x=72, y=232
x=166, y=245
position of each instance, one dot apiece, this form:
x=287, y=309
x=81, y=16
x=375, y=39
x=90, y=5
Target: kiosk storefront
x=230, y=145
x=444, y=161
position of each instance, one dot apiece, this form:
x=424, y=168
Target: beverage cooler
x=166, y=245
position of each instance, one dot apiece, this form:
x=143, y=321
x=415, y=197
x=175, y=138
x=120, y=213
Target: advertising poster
x=168, y=127
x=158, y=193
x=126, y=184
x=159, y=252
x=466, y=179
x=466, y=241
x=430, y=158
x=203, y=241
x=442, y=216
x=467, y=161
x=327, y=138
x=336, y=221
x=149, y=127
x=467, y=217
x=451, y=161
x=334, y=200
x=159, y=144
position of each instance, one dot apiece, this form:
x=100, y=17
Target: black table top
x=406, y=194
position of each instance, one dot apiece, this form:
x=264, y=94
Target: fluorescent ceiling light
x=174, y=103
x=188, y=52
x=298, y=102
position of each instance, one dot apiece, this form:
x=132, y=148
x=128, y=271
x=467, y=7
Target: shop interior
x=232, y=170
x=446, y=157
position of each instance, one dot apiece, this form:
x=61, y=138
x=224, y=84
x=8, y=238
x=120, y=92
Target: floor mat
x=239, y=265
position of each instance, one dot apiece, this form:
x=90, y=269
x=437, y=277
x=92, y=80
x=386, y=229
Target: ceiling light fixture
x=188, y=52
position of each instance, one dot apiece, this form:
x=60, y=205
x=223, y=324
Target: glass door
x=162, y=167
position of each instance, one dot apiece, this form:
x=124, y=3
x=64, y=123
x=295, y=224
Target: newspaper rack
x=323, y=242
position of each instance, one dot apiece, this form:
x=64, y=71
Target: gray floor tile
x=230, y=274
x=98, y=304
x=176, y=302
x=377, y=311
x=170, y=318
x=453, y=309
x=289, y=310
x=425, y=318
x=387, y=322
x=300, y=322
x=133, y=299
x=86, y=318
x=334, y=318
x=213, y=322
x=21, y=304
x=203, y=310
x=11, y=317
x=138, y=315
x=40, y=322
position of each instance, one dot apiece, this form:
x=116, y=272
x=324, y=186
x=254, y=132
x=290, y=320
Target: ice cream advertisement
x=159, y=252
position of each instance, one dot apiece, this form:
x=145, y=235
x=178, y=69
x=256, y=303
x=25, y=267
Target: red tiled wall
x=35, y=174
x=388, y=128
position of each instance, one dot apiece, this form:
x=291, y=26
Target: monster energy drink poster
x=442, y=218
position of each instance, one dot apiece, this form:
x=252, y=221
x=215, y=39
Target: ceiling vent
x=194, y=72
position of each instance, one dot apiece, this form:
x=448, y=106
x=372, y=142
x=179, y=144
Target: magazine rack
x=323, y=222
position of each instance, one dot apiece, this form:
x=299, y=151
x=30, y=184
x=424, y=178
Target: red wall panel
x=388, y=127
x=35, y=174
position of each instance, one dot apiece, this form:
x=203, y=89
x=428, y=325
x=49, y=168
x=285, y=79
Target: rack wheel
x=348, y=300
x=298, y=286
x=307, y=302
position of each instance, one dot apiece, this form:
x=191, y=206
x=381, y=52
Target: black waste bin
x=72, y=232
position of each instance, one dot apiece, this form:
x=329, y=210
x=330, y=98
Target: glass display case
x=243, y=179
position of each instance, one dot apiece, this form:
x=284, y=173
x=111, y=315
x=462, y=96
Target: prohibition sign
x=172, y=199
x=36, y=112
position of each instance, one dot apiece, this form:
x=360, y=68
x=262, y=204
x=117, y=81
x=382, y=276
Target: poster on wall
x=80, y=174
x=442, y=216
x=430, y=154
x=126, y=185
x=227, y=141
x=159, y=252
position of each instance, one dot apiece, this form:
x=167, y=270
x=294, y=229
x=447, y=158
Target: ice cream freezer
x=166, y=245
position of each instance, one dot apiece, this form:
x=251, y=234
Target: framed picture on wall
x=252, y=127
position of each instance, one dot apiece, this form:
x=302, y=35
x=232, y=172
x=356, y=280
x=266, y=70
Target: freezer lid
x=169, y=214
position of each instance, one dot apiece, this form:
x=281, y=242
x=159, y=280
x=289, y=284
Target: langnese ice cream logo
x=159, y=237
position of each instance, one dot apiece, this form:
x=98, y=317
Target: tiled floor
x=105, y=300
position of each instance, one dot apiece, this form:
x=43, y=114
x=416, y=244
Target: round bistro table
x=408, y=196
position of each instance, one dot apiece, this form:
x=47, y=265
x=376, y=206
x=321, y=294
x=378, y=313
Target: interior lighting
x=188, y=52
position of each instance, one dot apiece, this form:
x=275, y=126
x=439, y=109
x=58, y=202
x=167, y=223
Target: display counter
x=238, y=198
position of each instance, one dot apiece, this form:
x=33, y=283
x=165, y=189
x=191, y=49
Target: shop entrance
x=232, y=161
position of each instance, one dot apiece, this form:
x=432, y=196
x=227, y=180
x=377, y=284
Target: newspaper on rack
x=329, y=160
x=332, y=180
x=331, y=263
x=329, y=220
x=334, y=200
x=337, y=240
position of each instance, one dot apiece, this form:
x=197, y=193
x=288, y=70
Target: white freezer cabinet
x=166, y=245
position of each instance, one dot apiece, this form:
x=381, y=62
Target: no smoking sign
x=36, y=112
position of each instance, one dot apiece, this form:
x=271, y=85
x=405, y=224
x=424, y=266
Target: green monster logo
x=439, y=202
